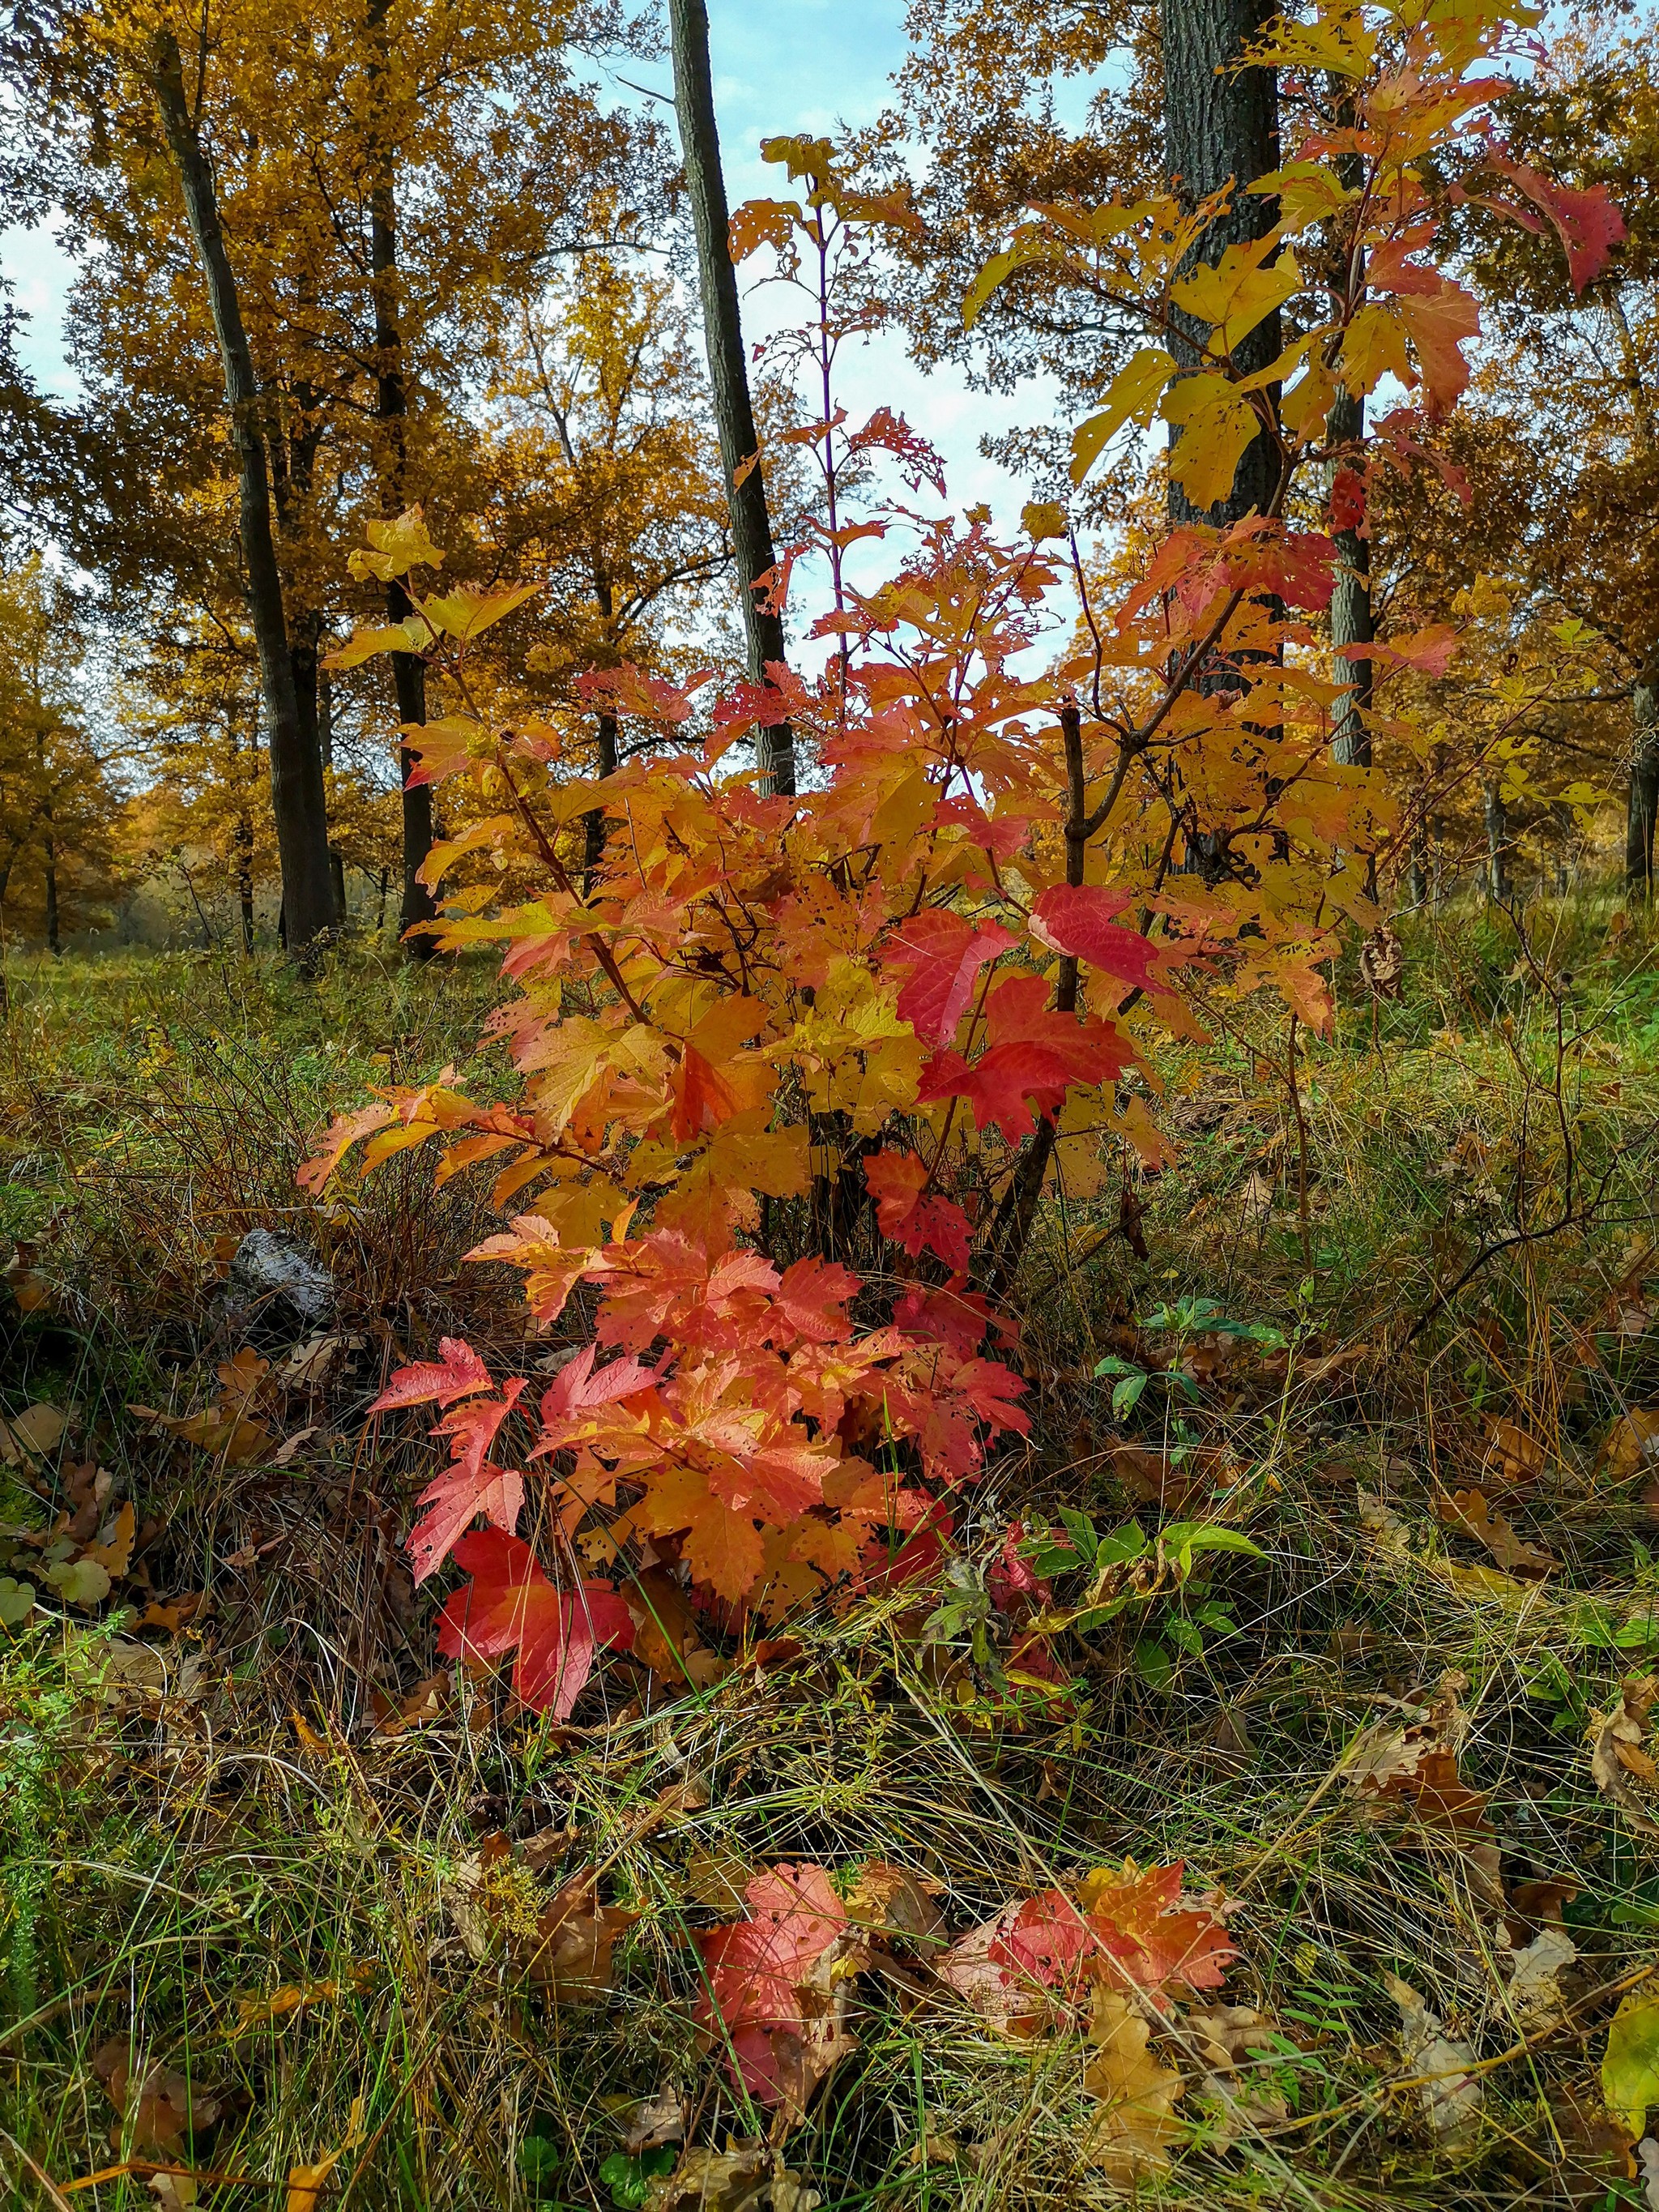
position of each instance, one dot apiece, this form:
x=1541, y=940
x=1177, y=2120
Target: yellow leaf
x=1029, y=247
x=1629, y=2066
x=411, y=636
x=306, y=2183
x=1374, y=346
x=462, y=613
x=1042, y=518
x=396, y=548
x=1216, y=423
x=1135, y=392
x=1136, y=2123
x=1307, y=192
x=1237, y=293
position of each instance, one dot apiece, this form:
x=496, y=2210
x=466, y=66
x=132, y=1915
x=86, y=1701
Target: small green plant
x=1183, y=1319
x=629, y=2179
x=1129, y=1569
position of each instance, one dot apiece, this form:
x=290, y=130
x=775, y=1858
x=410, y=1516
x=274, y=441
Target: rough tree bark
x=734, y=416
x=391, y=407
x=1222, y=122
x=1643, y=807
x=297, y=774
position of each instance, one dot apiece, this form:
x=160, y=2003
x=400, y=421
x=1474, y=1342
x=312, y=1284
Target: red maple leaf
x=1586, y=219
x=576, y=1386
x=1081, y=919
x=456, y=1373
x=758, y=1991
x=510, y=1605
x=944, y=953
x=914, y=1223
x=811, y=1299
x=1347, y=499
x=703, y=1099
x=469, y=1486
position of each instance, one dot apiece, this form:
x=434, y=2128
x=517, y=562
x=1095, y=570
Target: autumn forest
x=829, y=1046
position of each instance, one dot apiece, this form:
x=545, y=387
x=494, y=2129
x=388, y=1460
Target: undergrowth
x=248, y=1834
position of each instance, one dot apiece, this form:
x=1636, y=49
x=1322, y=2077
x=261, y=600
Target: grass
x=213, y=1854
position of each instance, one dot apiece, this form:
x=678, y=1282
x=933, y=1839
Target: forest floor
x=276, y=1892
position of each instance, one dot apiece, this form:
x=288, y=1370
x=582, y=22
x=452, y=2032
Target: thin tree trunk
x=54, y=940
x=734, y=415
x=297, y=775
x=1498, y=842
x=594, y=824
x=391, y=407
x=1222, y=122
x=1643, y=805
x=1350, y=609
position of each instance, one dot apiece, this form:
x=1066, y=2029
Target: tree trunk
x=1498, y=842
x=391, y=409
x=1221, y=122
x=734, y=416
x=1350, y=609
x=54, y=940
x=594, y=824
x=245, y=881
x=1643, y=805
x=297, y=775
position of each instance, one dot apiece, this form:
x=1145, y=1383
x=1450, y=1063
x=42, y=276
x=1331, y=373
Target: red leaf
x=784, y=2031
x=703, y=1099
x=575, y=1389
x=1036, y=1053
x=510, y=1605
x=812, y=1299
x=945, y=954
x=454, y=1502
x=469, y=1488
x=914, y=1223
x=1081, y=919
x=1347, y=499
x=456, y=1373
x=1586, y=219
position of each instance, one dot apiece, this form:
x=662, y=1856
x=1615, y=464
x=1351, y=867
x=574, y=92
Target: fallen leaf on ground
x=1630, y=1446
x=299, y=1997
x=305, y=2184
x=1618, y=1758
x=1513, y=1454
x=1533, y=1989
x=897, y=1902
x=173, y=2192
x=1470, y=1514
x=1451, y=2096
x=743, y=2177
x=1629, y=2064
x=1136, y=2123
x=32, y=1434
x=778, y=1985
x=1034, y=1962
x=655, y=2121
x=158, y=2107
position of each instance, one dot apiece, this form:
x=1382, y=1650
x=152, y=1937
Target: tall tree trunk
x=734, y=415
x=1221, y=122
x=391, y=409
x=1643, y=805
x=297, y=775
